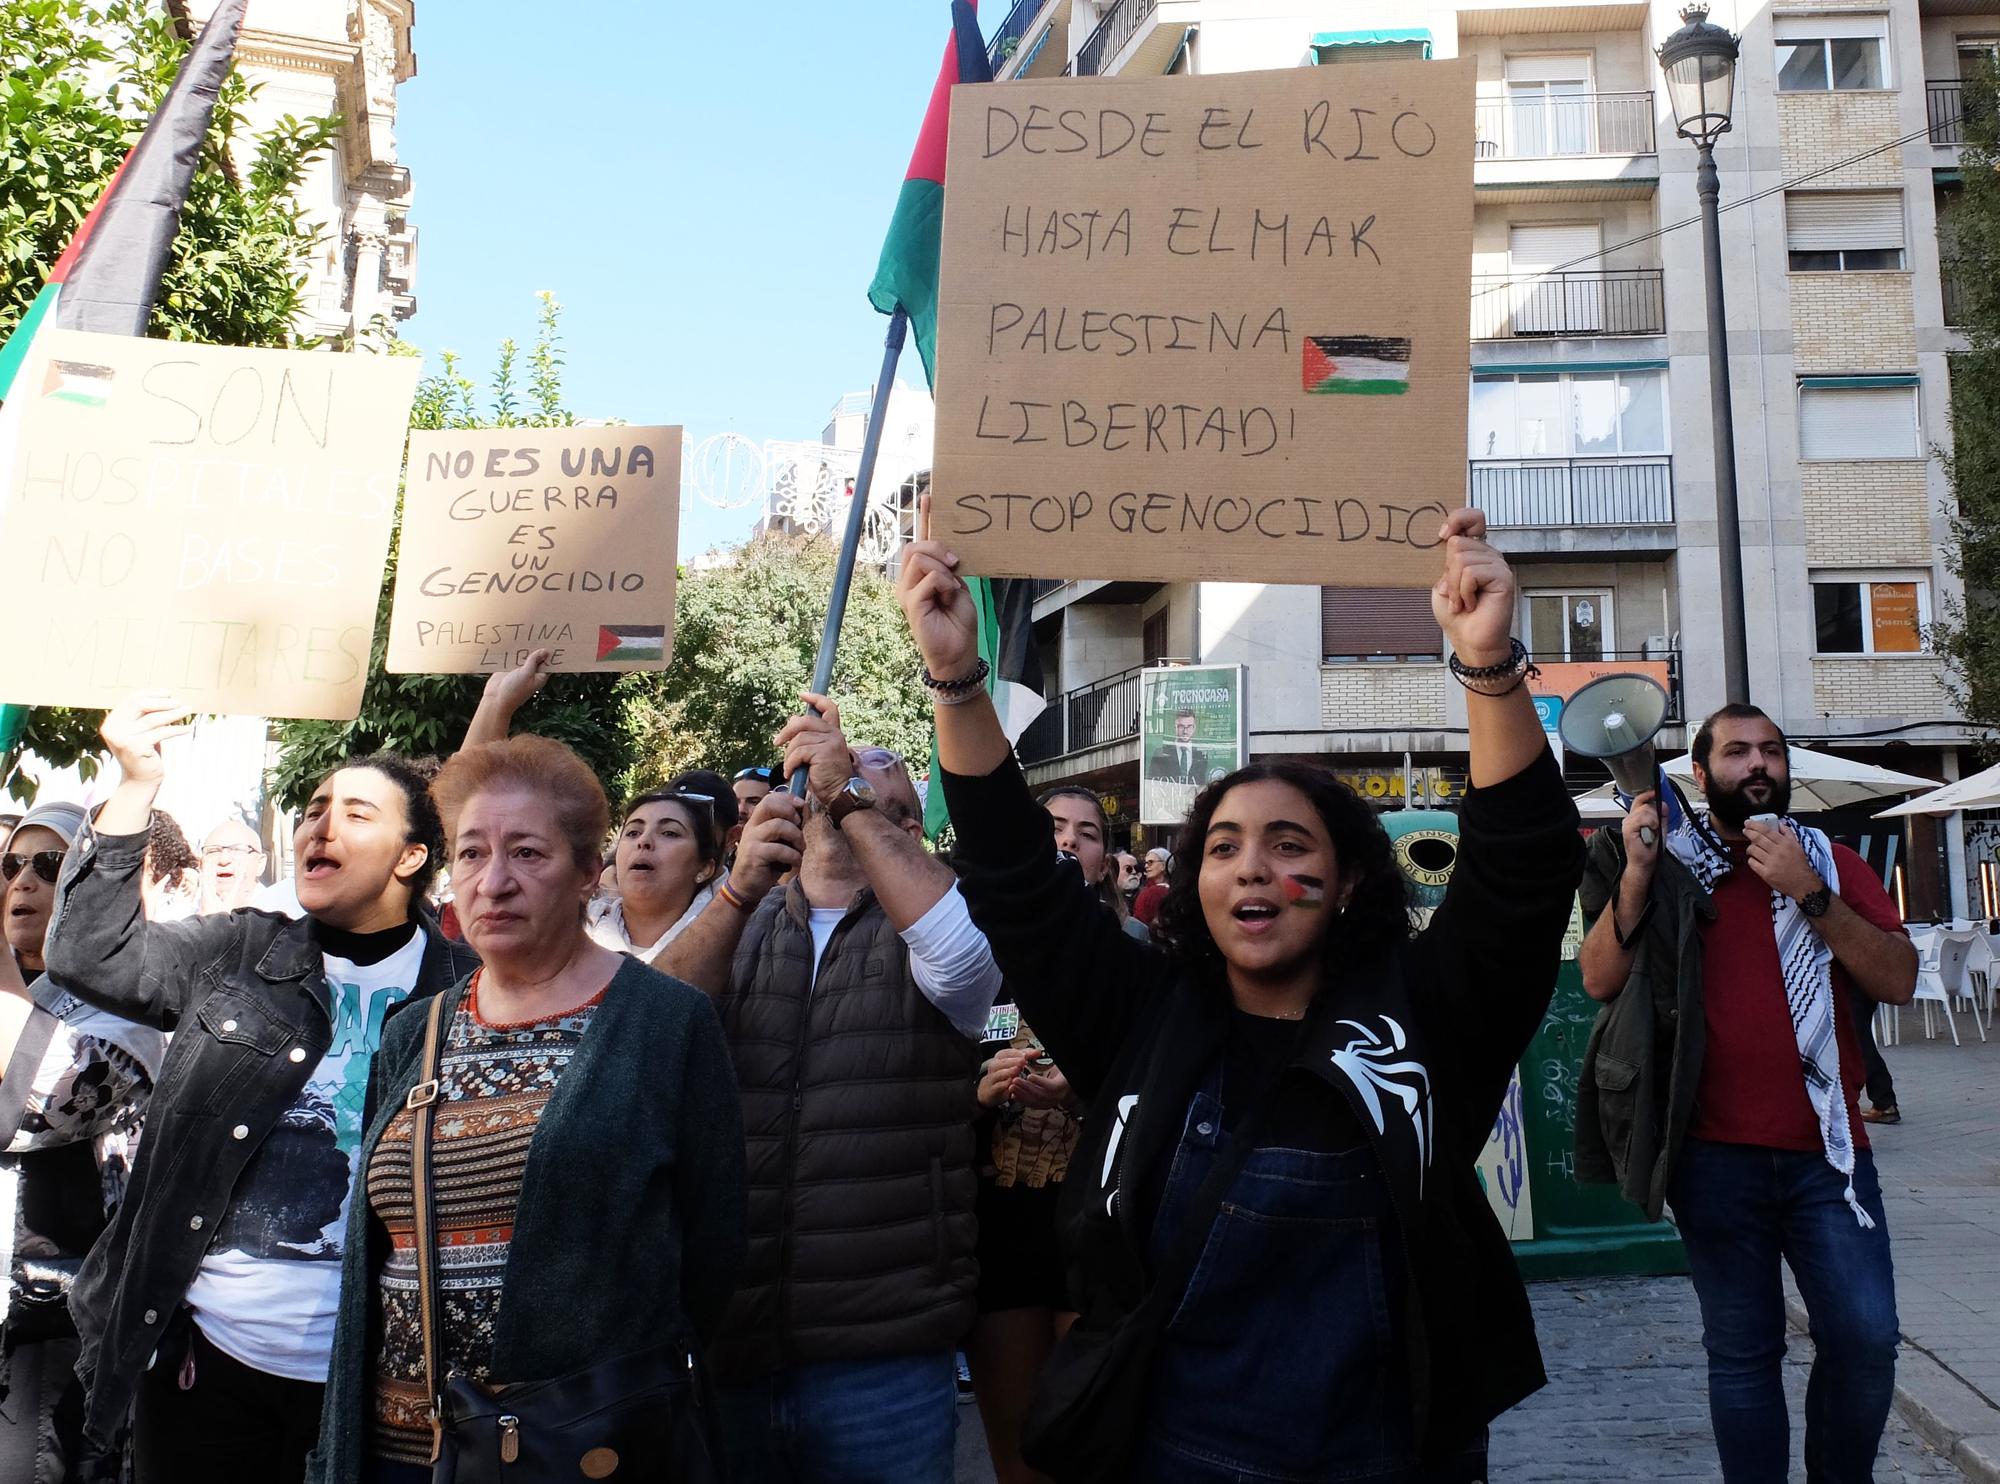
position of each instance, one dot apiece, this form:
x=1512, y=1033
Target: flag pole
x=857, y=517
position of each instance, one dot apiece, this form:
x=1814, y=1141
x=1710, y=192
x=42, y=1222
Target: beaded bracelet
x=1517, y=666
x=941, y=689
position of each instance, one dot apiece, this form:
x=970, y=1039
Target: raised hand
x=1473, y=601
x=135, y=730
x=513, y=689
x=943, y=619
x=816, y=743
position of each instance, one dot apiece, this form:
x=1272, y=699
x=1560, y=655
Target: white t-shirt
x=269, y=1289
x=949, y=959
x=606, y=925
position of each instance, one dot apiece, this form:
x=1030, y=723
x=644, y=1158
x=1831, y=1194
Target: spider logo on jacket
x=1366, y=1061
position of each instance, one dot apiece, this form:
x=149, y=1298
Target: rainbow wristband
x=728, y=894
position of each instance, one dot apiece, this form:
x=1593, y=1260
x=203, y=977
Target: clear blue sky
x=705, y=187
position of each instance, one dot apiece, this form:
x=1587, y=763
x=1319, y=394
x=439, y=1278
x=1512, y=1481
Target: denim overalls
x=1285, y=1358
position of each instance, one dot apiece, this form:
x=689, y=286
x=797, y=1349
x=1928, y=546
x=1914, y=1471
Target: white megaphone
x=1614, y=720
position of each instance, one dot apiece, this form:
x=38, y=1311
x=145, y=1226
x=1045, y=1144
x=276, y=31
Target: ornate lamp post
x=1700, y=63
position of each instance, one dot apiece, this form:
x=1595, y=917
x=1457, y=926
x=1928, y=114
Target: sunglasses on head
x=757, y=775
x=47, y=864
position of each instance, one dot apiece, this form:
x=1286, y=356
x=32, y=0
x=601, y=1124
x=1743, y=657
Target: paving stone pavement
x=1627, y=1396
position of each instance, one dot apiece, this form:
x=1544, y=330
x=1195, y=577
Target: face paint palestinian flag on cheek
x=1305, y=891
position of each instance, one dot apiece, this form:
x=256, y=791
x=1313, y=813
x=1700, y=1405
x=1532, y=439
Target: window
x=1549, y=106
x=1844, y=231
x=1586, y=414
x=1859, y=417
x=1377, y=623
x=1831, y=54
x=1863, y=613
x=1153, y=637
x=1568, y=625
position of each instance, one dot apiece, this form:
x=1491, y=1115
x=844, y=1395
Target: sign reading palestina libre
x=206, y=521
x=518, y=539
x=1207, y=327
x=1191, y=732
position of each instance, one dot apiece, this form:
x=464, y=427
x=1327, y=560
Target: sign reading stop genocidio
x=1207, y=327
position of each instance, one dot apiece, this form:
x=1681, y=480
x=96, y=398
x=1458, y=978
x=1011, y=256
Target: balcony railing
x=1117, y=28
x=1575, y=492
x=1565, y=124
x=1012, y=29
x=1615, y=301
x=1944, y=106
x=1093, y=715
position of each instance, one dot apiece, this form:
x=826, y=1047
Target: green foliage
x=80, y=81
x=1968, y=632
x=426, y=715
x=744, y=642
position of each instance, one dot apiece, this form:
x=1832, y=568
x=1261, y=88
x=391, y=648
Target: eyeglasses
x=47, y=864
x=223, y=852
x=878, y=758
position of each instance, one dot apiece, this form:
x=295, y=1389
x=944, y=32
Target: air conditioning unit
x=1658, y=646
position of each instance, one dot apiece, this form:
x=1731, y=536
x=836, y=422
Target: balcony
x=1555, y=127
x=1944, y=107
x=1561, y=493
x=1615, y=301
x=1094, y=715
x=1120, y=25
x=1008, y=38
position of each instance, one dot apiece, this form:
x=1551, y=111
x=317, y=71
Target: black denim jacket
x=246, y=997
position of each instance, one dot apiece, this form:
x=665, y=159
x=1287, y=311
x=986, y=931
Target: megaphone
x=1614, y=719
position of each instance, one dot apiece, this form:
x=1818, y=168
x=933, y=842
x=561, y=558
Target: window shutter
x=1377, y=621
x=1548, y=69
x=1827, y=221
x=1858, y=422
x=1829, y=27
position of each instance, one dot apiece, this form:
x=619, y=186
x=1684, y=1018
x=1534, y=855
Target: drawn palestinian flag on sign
x=631, y=641
x=79, y=382
x=1357, y=365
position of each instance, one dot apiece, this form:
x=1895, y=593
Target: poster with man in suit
x=1190, y=734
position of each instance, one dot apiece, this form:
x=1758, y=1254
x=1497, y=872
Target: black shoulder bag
x=637, y=1416
x=1091, y=1402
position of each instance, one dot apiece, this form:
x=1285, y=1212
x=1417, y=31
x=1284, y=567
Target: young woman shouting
x=1283, y=1261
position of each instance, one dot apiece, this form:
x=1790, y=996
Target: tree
x=744, y=643
x=428, y=714
x=1969, y=631
x=81, y=81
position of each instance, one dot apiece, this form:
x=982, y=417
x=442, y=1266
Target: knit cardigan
x=629, y=1229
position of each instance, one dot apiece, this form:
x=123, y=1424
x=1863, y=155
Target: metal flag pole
x=857, y=515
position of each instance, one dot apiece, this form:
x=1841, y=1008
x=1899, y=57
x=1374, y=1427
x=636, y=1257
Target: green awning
x=1555, y=368
x=1324, y=39
x=1841, y=383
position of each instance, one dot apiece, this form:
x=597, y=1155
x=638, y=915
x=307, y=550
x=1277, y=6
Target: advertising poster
x=1191, y=732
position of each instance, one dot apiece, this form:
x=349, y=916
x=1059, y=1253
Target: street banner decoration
x=1191, y=732
x=906, y=281
x=202, y=520
x=517, y=539
x=1207, y=327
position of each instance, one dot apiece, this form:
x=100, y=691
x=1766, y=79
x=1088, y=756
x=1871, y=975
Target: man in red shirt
x=1757, y=1166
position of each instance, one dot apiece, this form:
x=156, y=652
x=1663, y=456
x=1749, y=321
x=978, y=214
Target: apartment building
x=1589, y=431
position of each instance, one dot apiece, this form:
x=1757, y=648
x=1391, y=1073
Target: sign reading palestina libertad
x=1190, y=734
x=517, y=539
x=1207, y=327
x=202, y=520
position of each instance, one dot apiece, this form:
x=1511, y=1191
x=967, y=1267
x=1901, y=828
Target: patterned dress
x=493, y=1083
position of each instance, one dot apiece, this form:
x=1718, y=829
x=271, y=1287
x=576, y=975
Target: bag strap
x=1177, y=1266
x=422, y=1103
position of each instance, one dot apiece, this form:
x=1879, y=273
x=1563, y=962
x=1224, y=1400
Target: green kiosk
x=1560, y=1229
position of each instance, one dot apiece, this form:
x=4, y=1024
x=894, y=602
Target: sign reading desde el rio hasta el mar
x=1191, y=723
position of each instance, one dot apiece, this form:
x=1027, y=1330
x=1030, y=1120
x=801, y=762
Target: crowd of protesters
x=722, y=1121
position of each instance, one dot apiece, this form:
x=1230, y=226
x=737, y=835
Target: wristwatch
x=856, y=793
x=1815, y=903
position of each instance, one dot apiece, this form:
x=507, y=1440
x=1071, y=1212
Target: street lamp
x=1700, y=63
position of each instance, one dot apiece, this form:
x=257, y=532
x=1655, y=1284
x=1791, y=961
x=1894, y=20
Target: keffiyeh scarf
x=1806, y=964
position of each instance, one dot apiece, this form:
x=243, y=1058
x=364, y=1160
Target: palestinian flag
x=631, y=641
x=1357, y=365
x=108, y=276
x=906, y=278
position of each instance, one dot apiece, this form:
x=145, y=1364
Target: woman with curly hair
x=1282, y=1257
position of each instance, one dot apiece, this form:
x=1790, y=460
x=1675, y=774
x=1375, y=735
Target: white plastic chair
x=1979, y=976
x=1942, y=978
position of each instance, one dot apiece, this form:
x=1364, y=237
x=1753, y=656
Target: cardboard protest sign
x=1207, y=327
x=202, y=520
x=517, y=539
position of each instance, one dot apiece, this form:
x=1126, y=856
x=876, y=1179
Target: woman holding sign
x=1284, y=1264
